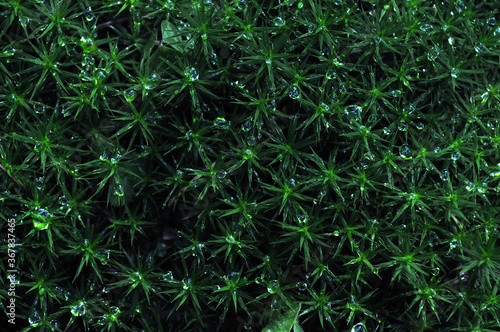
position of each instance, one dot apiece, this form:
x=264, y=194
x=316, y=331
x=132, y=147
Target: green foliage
x=284, y=165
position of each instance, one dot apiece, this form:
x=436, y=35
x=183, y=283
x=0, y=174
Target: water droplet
x=292, y=182
x=272, y=286
x=386, y=131
x=492, y=21
x=435, y=271
x=34, y=319
x=271, y=104
x=455, y=72
x=405, y=152
x=433, y=54
x=495, y=173
x=302, y=286
x=482, y=188
x=420, y=125
x=278, y=21
x=396, y=93
x=103, y=256
x=37, y=148
x=204, y=36
x=186, y=284
x=455, y=156
x=427, y=27
x=403, y=126
x=9, y=51
x=191, y=74
x=479, y=47
x=353, y=113
x=444, y=175
x=116, y=158
x=336, y=233
x=119, y=191
x=89, y=16
x=221, y=123
x=87, y=44
x=79, y=309
x=330, y=75
x=130, y=95
x=246, y=126
x=335, y=99
x=168, y=276
x=221, y=174
x=359, y=327
x=302, y=218
x=294, y=92
x=61, y=40
x=451, y=41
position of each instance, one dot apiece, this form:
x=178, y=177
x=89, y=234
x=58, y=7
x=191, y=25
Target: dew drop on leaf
x=191, y=74
x=186, y=284
x=427, y=27
x=34, y=319
x=359, y=327
x=272, y=287
x=119, y=191
x=405, y=152
x=495, y=173
x=278, y=21
x=353, y=113
x=221, y=123
x=9, y=51
x=168, y=276
x=302, y=286
x=79, y=309
x=433, y=54
x=479, y=47
x=294, y=92
x=396, y=93
x=246, y=126
x=89, y=15
x=130, y=95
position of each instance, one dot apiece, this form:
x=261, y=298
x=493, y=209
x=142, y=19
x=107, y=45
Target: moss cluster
x=177, y=165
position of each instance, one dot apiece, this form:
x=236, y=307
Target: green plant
x=226, y=165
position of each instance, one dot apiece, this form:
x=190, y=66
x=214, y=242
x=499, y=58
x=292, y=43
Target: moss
x=232, y=165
